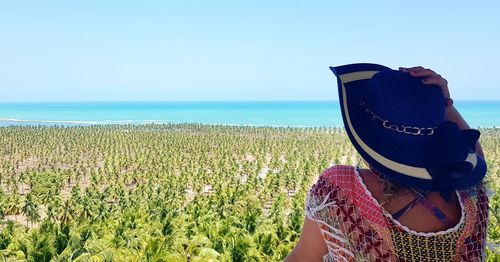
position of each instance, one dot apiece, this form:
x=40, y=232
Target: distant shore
x=4, y=122
x=70, y=123
x=242, y=113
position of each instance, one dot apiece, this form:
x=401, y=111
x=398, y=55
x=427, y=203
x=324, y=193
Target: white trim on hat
x=412, y=171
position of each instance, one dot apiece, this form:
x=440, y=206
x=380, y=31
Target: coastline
x=243, y=113
x=69, y=123
x=7, y=122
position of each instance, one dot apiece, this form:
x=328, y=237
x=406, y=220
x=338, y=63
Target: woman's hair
x=390, y=188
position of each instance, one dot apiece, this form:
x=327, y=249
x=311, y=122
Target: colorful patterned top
x=356, y=228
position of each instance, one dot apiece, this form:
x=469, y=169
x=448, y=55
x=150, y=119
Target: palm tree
x=13, y=206
x=41, y=248
x=66, y=212
x=30, y=210
x=3, y=203
x=87, y=210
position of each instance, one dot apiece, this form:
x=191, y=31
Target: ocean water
x=293, y=113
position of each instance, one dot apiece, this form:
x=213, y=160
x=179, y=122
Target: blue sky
x=237, y=50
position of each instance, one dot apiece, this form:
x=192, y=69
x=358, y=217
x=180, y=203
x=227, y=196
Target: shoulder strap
x=406, y=208
x=435, y=210
x=431, y=207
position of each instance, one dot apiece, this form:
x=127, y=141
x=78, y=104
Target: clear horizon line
x=236, y=100
x=159, y=101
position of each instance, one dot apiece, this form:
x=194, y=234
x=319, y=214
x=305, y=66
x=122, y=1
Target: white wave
x=149, y=121
x=48, y=121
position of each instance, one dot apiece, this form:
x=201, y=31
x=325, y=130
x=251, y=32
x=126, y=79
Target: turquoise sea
x=292, y=113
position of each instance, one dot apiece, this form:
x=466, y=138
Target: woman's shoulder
x=338, y=172
x=339, y=177
x=325, y=193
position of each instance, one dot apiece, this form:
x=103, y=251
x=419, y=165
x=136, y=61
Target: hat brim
x=401, y=158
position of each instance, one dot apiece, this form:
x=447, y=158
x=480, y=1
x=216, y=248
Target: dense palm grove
x=169, y=192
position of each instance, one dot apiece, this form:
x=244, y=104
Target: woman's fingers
x=439, y=81
x=428, y=77
x=434, y=81
x=415, y=69
x=422, y=73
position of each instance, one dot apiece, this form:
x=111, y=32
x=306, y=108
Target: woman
x=422, y=198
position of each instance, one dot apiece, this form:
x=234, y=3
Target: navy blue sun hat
x=398, y=125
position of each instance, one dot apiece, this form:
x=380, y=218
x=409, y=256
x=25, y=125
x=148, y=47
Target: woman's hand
x=428, y=77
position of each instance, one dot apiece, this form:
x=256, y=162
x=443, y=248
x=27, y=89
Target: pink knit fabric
x=356, y=228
